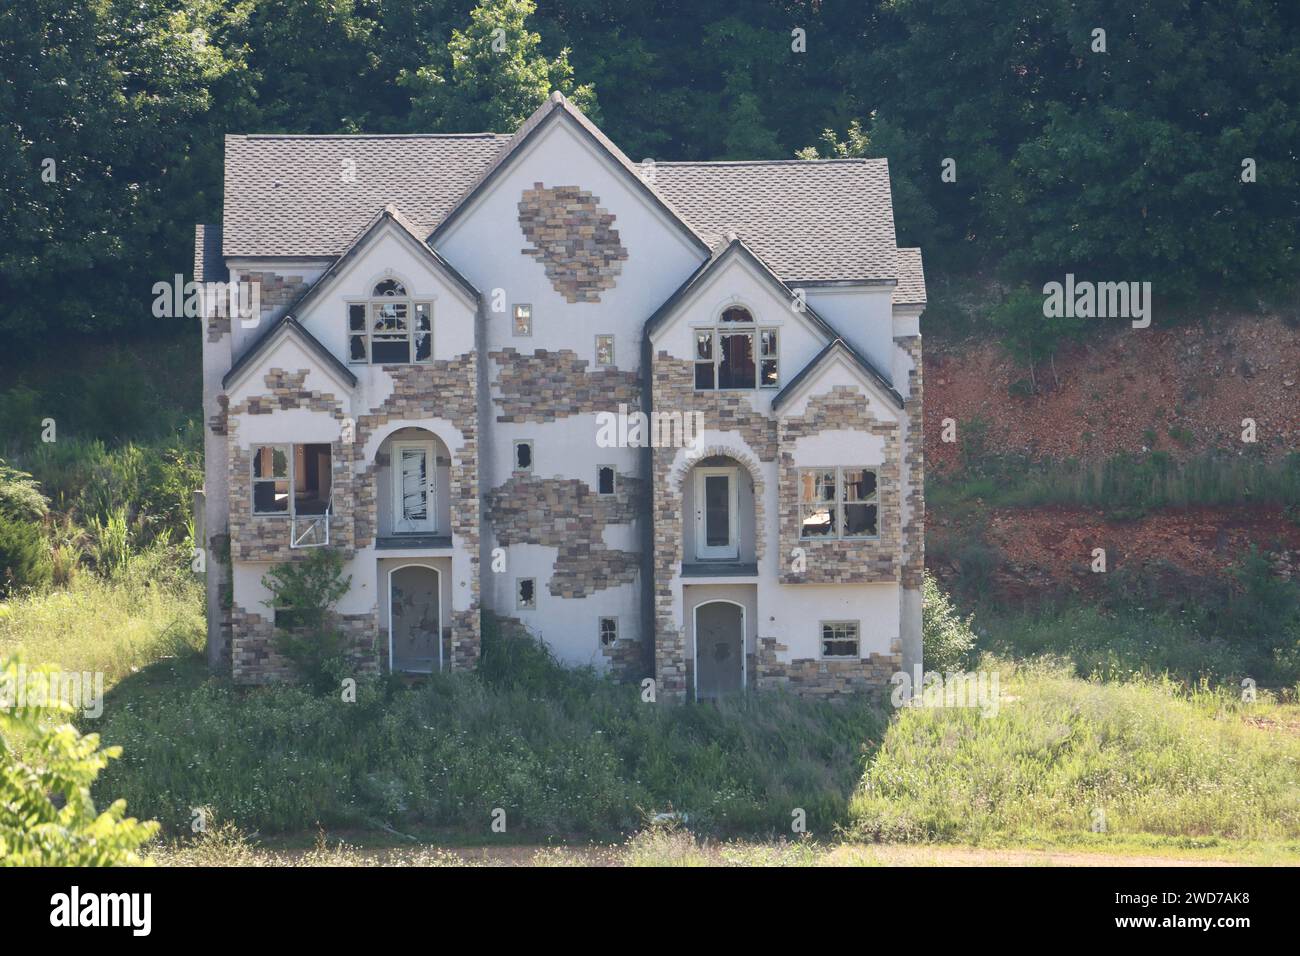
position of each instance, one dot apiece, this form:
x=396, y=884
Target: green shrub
x=24, y=555
x=47, y=816
x=946, y=638
x=303, y=595
x=20, y=496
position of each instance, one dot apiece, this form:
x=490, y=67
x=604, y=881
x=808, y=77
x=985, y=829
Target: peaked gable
x=841, y=353
x=287, y=329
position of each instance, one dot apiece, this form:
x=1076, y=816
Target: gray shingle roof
x=810, y=220
x=285, y=195
x=208, y=263
x=911, y=278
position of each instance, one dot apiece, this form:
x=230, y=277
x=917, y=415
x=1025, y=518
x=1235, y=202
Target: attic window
x=390, y=329
x=728, y=357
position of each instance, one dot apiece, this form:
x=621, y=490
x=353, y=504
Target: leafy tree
x=24, y=555
x=20, y=495
x=47, y=816
x=304, y=593
x=497, y=76
x=1029, y=335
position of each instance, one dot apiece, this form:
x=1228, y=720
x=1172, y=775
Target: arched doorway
x=414, y=619
x=719, y=649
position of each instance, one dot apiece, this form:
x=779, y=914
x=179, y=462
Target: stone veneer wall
x=810, y=677
x=255, y=660
x=266, y=537
x=546, y=386
x=833, y=560
x=914, y=460
x=673, y=388
x=565, y=513
x=442, y=389
x=573, y=238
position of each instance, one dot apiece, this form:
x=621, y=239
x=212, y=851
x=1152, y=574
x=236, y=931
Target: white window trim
x=600, y=624
x=613, y=357
x=514, y=455
x=369, y=302
x=254, y=481
x=821, y=655
x=754, y=329
x=839, y=504
x=514, y=327
x=519, y=600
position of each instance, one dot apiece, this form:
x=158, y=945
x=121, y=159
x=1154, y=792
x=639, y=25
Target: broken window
x=523, y=455
x=726, y=356
x=840, y=639
x=390, y=329
x=608, y=631
x=292, y=479
x=838, y=503
x=526, y=593
x=523, y=320
x=605, y=480
x=604, y=350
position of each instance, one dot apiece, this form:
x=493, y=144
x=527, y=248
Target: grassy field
x=412, y=775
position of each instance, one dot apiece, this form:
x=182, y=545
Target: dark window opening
x=605, y=480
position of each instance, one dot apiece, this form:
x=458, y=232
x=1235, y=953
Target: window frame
x=291, y=475
x=596, y=355
x=839, y=501
x=514, y=455
x=514, y=320
x=600, y=630
x=822, y=638
x=370, y=306
x=755, y=331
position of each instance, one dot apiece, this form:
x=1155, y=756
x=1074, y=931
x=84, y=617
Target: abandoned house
x=445, y=327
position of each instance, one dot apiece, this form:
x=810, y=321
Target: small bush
x=946, y=638
x=303, y=595
x=24, y=555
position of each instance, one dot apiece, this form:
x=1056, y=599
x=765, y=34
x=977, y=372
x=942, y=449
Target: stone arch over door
x=685, y=466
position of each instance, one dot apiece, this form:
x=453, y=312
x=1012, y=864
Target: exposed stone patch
x=810, y=677
x=564, y=513
x=573, y=238
x=255, y=660
x=276, y=294
x=545, y=386
x=914, y=463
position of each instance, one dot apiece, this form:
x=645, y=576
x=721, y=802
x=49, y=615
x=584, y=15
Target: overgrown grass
x=560, y=751
x=1063, y=756
x=115, y=626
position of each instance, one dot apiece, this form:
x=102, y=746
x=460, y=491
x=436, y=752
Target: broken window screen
x=604, y=350
x=390, y=335
x=523, y=320
x=817, y=512
x=526, y=593
x=423, y=332
x=414, y=477
x=840, y=639
x=859, y=502
x=704, y=359
x=357, y=342
x=736, y=362
x=270, y=479
x=605, y=480
x=768, y=377
x=608, y=631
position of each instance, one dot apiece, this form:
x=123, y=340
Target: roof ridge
x=325, y=136
x=771, y=162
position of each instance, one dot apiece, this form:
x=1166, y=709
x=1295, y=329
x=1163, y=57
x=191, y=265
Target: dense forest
x=1153, y=141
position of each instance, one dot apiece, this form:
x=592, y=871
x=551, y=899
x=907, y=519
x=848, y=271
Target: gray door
x=415, y=620
x=719, y=650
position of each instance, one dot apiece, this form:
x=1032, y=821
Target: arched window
x=736, y=353
x=388, y=328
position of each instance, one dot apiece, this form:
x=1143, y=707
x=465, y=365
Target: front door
x=716, y=524
x=719, y=649
x=414, y=620
x=413, y=500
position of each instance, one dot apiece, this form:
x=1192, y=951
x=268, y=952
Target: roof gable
x=837, y=352
x=287, y=328
x=558, y=109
